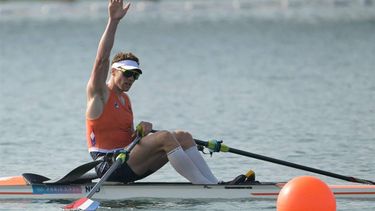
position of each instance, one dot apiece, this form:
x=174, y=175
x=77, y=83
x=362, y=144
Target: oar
x=86, y=203
x=219, y=147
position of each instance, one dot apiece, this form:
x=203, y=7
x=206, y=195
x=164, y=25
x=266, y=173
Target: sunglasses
x=130, y=73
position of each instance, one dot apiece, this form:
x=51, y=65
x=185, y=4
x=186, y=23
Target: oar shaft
x=293, y=165
x=113, y=167
x=104, y=178
x=286, y=163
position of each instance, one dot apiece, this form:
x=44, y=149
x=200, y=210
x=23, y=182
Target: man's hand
x=116, y=9
x=144, y=128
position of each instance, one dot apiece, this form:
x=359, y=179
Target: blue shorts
x=122, y=174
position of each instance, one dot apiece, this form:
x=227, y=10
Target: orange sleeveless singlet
x=113, y=129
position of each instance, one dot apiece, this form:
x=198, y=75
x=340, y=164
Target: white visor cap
x=127, y=65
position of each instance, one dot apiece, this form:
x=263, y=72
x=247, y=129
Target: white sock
x=200, y=163
x=184, y=166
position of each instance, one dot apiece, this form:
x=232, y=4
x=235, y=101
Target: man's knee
x=183, y=135
x=167, y=140
x=185, y=139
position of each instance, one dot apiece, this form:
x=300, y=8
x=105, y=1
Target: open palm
x=116, y=9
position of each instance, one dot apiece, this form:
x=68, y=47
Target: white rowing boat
x=79, y=183
x=19, y=187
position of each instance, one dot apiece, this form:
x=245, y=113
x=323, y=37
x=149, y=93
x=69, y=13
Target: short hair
x=124, y=56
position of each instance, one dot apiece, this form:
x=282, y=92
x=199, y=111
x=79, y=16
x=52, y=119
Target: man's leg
x=156, y=149
x=188, y=143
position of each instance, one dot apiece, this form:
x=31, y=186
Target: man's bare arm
x=97, y=82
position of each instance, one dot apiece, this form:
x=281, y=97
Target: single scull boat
x=33, y=186
x=79, y=183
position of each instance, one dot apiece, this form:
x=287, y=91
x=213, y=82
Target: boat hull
x=168, y=191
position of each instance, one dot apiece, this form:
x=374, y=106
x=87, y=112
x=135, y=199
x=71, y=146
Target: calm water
x=293, y=83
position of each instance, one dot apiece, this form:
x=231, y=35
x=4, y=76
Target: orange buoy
x=306, y=193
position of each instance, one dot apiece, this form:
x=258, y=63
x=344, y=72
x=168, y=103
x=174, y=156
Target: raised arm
x=96, y=86
x=97, y=92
